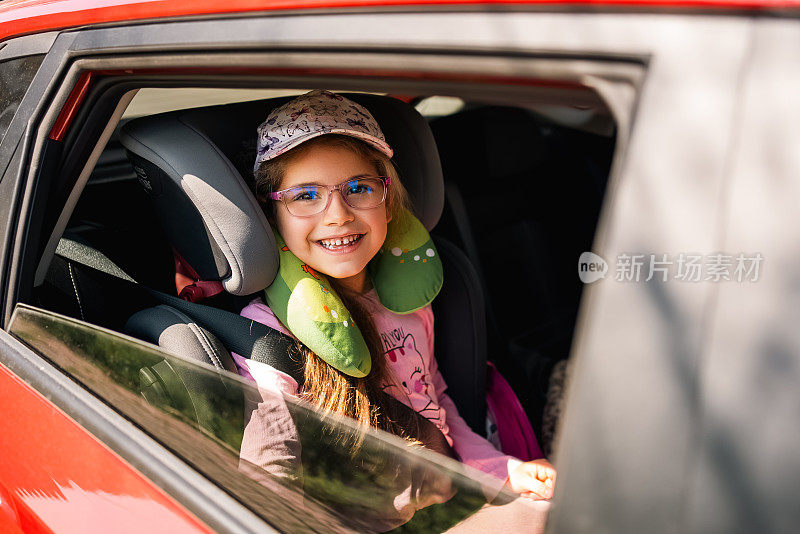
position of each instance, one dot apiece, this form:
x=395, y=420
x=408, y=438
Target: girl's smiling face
x=331, y=165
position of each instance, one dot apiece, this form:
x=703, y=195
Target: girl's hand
x=534, y=479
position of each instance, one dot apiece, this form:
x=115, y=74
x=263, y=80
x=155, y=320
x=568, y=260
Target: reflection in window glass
x=201, y=415
x=15, y=77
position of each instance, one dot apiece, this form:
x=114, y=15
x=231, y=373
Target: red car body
x=21, y=17
x=54, y=475
x=58, y=478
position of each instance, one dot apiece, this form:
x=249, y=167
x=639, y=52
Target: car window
x=200, y=415
x=563, y=154
x=15, y=77
x=550, y=219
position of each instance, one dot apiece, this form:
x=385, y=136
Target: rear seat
x=522, y=200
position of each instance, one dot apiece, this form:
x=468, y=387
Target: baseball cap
x=311, y=115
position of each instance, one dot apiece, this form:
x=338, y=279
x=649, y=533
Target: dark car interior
x=515, y=201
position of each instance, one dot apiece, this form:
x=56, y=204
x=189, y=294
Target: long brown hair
x=327, y=388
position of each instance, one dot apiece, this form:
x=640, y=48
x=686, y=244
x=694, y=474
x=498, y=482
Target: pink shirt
x=408, y=347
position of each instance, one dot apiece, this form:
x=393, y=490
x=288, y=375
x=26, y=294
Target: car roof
x=20, y=17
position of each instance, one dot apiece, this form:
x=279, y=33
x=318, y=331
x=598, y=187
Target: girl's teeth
x=338, y=241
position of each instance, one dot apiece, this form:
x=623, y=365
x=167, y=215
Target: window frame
x=15, y=142
x=21, y=47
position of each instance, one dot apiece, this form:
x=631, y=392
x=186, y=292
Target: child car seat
x=188, y=160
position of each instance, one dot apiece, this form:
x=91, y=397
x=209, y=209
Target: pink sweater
x=408, y=346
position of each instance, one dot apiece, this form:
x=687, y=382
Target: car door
x=56, y=477
x=94, y=70
x=534, y=59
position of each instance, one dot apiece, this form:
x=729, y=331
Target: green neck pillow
x=406, y=274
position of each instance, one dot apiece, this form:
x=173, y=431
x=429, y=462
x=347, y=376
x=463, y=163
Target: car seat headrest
x=208, y=212
x=193, y=164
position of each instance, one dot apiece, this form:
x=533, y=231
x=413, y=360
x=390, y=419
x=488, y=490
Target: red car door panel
x=54, y=476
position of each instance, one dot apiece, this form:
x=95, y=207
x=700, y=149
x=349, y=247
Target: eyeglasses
x=312, y=199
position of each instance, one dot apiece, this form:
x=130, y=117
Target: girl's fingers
x=534, y=480
x=544, y=471
x=541, y=472
x=539, y=490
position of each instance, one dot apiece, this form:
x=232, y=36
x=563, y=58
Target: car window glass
x=15, y=77
x=200, y=414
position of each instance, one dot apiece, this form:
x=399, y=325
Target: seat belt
x=238, y=334
x=249, y=338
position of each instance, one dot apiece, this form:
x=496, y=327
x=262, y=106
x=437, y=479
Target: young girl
x=314, y=153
